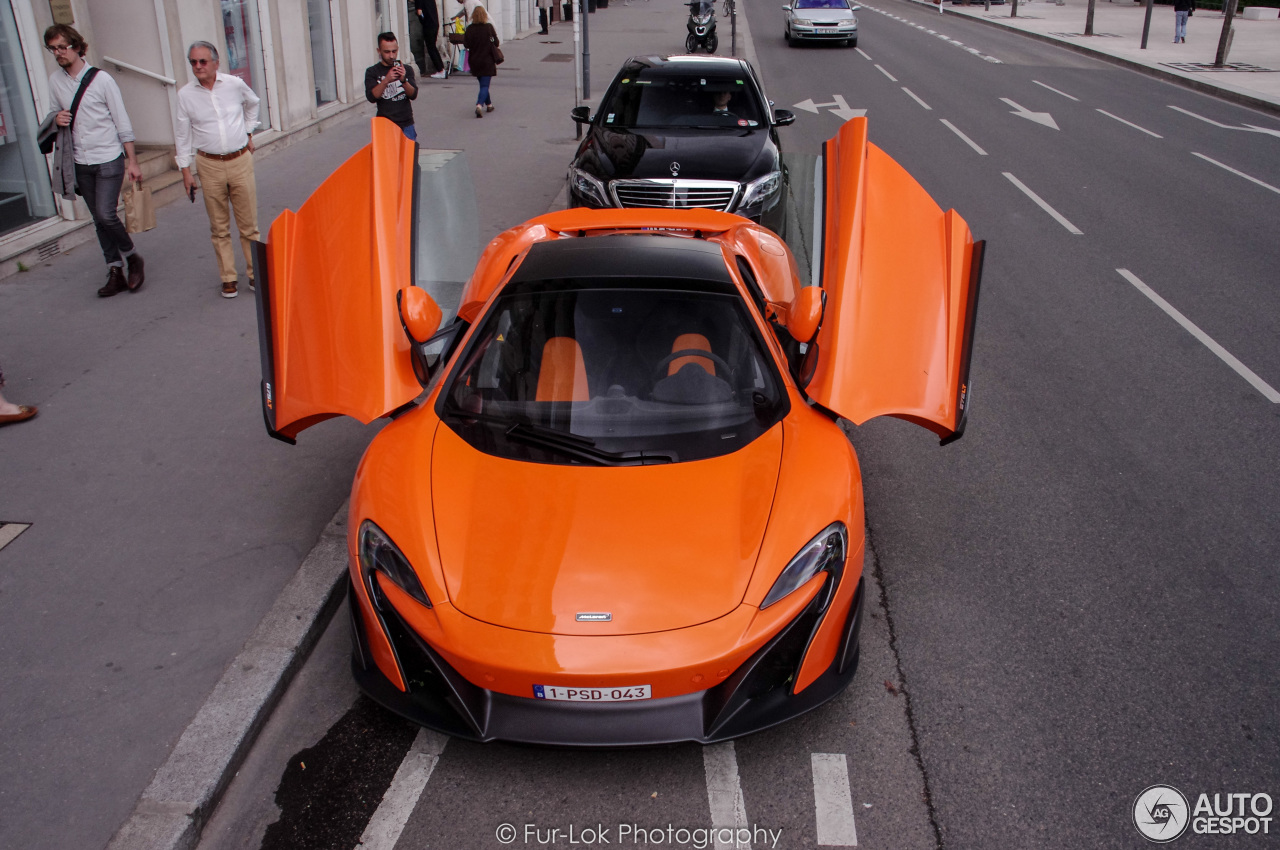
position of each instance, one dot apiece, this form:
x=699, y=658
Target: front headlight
x=761, y=188
x=588, y=186
x=378, y=554
x=824, y=552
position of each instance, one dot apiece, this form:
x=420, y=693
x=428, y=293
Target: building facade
x=304, y=58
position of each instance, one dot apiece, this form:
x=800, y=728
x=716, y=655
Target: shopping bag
x=139, y=211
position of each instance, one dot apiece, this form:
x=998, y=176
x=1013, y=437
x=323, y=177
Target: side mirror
x=581, y=114
x=805, y=314
x=786, y=8
x=419, y=314
x=783, y=117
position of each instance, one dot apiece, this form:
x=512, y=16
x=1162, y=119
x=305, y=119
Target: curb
x=173, y=811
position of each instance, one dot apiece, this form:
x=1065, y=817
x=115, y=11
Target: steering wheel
x=722, y=367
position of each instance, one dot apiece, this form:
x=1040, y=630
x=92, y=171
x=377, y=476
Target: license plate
x=555, y=692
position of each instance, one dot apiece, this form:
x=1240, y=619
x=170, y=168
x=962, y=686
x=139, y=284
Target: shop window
x=320, y=22
x=26, y=195
x=244, y=47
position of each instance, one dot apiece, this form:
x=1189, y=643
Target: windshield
x=614, y=371
x=701, y=8
x=822, y=4
x=646, y=99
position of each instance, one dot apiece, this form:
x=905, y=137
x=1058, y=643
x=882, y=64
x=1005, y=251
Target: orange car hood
x=531, y=546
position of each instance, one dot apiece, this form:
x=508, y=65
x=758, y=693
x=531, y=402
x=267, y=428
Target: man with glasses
x=102, y=146
x=215, y=117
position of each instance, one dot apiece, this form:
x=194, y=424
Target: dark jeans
x=99, y=185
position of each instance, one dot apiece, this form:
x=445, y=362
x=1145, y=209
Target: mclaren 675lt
x=613, y=506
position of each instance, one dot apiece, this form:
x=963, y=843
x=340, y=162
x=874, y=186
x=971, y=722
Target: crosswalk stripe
x=398, y=803
x=724, y=792
x=832, y=800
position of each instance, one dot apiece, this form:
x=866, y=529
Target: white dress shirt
x=102, y=125
x=217, y=121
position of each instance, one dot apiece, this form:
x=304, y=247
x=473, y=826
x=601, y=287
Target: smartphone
x=191, y=193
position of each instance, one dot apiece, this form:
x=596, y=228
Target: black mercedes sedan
x=683, y=132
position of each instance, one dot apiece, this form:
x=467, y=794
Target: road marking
x=864, y=53
x=1039, y=117
x=925, y=29
x=724, y=792
x=398, y=803
x=913, y=96
x=841, y=110
x=1237, y=173
x=10, y=530
x=1131, y=124
x=833, y=801
x=886, y=73
x=968, y=141
x=1208, y=342
x=1057, y=216
x=1248, y=128
x=1055, y=91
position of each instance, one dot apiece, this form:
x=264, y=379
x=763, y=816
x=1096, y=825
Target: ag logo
x=1160, y=813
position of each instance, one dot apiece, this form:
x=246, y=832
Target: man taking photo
x=390, y=85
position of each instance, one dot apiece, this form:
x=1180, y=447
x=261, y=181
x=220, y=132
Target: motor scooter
x=701, y=26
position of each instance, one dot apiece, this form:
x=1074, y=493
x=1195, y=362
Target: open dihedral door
x=328, y=326
x=901, y=279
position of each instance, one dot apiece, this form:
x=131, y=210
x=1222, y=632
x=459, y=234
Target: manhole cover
x=1082, y=35
x=558, y=57
x=551, y=42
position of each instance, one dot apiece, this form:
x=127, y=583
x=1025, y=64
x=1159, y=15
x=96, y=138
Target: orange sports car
x=613, y=505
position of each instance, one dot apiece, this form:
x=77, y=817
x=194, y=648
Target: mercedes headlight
x=824, y=552
x=587, y=186
x=378, y=554
x=762, y=188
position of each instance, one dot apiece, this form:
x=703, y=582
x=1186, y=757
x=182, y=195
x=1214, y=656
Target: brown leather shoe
x=24, y=413
x=229, y=289
x=136, y=274
x=115, y=282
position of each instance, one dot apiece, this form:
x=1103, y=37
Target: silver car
x=821, y=20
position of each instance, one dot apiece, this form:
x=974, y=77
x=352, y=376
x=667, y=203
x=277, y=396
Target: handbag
x=498, y=58
x=48, y=132
x=139, y=210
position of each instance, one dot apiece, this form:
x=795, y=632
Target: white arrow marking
x=1039, y=117
x=839, y=108
x=1257, y=129
x=1248, y=128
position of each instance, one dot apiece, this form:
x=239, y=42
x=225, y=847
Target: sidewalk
x=1117, y=28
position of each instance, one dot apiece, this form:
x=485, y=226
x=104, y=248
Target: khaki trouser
x=230, y=181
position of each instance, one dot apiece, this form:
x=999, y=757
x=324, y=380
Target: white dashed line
x=913, y=96
x=832, y=800
x=1131, y=124
x=863, y=53
x=10, y=530
x=934, y=33
x=1237, y=173
x=1057, y=216
x=1055, y=91
x=724, y=792
x=886, y=73
x=384, y=828
x=1242, y=370
x=968, y=141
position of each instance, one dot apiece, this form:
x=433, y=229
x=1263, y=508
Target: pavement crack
x=904, y=688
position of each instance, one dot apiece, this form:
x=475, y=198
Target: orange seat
x=563, y=374
x=686, y=342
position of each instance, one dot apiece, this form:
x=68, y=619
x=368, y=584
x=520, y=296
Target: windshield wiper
x=580, y=448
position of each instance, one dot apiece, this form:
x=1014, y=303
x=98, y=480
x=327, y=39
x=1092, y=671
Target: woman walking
x=481, y=41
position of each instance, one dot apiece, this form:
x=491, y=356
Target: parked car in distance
x=821, y=20
x=683, y=132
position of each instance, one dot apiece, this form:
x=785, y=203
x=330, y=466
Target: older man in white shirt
x=102, y=147
x=216, y=116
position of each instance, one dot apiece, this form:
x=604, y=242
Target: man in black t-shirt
x=391, y=85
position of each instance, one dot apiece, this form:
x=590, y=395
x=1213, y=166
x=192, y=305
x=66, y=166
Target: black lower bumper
x=756, y=696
